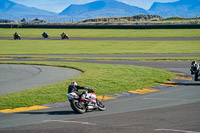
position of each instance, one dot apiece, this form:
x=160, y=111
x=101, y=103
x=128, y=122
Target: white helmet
x=74, y=83
x=193, y=62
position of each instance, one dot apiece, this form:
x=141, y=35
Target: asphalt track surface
x=170, y=110
x=21, y=77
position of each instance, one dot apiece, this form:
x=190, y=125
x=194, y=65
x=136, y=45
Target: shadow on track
x=188, y=84
x=48, y=113
x=183, y=84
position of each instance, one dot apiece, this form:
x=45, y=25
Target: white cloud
x=59, y=5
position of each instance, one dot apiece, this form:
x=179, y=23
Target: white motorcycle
x=195, y=69
x=90, y=103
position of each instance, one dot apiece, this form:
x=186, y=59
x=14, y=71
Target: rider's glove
x=90, y=90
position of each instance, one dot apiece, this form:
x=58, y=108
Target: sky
x=59, y=5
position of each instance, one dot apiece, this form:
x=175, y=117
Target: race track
x=172, y=109
x=128, y=112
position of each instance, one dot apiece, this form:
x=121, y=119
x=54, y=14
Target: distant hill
x=99, y=9
x=12, y=10
x=113, y=8
x=182, y=8
x=124, y=19
x=102, y=8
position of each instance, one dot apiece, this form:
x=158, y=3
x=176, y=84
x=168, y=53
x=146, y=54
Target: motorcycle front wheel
x=100, y=105
x=77, y=107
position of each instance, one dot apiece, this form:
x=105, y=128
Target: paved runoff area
x=21, y=77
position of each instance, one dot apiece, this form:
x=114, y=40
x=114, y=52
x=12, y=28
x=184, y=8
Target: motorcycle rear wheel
x=77, y=107
x=196, y=77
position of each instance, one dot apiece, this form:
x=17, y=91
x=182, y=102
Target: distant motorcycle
x=17, y=36
x=90, y=103
x=195, y=70
x=64, y=37
x=45, y=35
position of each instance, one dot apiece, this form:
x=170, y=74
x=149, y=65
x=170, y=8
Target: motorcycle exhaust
x=90, y=107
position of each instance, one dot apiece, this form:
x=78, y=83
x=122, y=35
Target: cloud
x=59, y=5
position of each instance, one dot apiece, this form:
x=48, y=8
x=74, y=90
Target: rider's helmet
x=193, y=62
x=74, y=83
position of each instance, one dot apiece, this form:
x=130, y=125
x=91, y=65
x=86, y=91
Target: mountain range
x=11, y=10
x=182, y=8
x=101, y=8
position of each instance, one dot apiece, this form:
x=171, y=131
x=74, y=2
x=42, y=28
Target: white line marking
x=174, y=130
x=77, y=122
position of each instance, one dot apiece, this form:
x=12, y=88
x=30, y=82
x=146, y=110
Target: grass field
x=103, y=78
x=5, y=32
x=97, y=47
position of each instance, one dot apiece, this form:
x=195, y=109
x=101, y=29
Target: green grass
x=97, y=47
x=8, y=32
x=103, y=78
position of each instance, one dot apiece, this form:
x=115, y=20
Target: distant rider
x=194, y=67
x=73, y=87
x=16, y=34
x=63, y=34
x=45, y=35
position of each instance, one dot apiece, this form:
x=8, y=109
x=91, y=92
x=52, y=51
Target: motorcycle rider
x=194, y=67
x=45, y=35
x=73, y=87
x=16, y=34
x=63, y=34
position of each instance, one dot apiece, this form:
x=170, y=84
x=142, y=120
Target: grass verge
x=97, y=47
x=97, y=33
x=103, y=78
